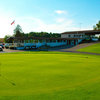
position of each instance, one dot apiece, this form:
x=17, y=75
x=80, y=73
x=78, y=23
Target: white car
x=6, y=45
x=1, y=49
x=95, y=39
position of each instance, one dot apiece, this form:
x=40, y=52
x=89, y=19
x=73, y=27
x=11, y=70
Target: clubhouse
x=67, y=39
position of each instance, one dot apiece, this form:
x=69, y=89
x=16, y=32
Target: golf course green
x=49, y=76
x=95, y=48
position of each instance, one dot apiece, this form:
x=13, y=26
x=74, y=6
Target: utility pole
x=80, y=25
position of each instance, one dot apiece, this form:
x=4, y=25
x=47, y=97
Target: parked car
x=30, y=47
x=2, y=46
x=95, y=39
x=1, y=49
x=6, y=45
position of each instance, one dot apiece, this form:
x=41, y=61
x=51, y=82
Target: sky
x=55, y=16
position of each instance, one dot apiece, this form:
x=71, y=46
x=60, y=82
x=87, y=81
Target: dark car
x=1, y=49
x=2, y=46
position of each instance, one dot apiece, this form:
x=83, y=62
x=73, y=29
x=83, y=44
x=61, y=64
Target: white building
x=86, y=34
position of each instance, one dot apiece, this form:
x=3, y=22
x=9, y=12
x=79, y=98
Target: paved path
x=9, y=51
x=82, y=52
x=79, y=46
x=74, y=49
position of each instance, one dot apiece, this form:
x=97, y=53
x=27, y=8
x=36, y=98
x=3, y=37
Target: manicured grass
x=95, y=48
x=49, y=76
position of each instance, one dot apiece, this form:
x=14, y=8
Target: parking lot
x=10, y=50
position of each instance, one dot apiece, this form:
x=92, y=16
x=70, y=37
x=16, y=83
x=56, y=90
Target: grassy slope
x=50, y=76
x=95, y=48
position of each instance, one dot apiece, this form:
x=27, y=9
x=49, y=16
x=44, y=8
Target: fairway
x=49, y=76
x=95, y=48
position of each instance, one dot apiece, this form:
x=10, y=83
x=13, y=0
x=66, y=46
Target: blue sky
x=48, y=15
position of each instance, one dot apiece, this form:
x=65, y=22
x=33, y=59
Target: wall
x=20, y=46
x=53, y=44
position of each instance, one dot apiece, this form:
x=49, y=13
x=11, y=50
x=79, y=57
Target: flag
x=13, y=22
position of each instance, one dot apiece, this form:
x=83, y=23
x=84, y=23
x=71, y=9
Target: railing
x=18, y=44
x=37, y=45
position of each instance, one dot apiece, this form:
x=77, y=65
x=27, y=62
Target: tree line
x=97, y=26
x=19, y=33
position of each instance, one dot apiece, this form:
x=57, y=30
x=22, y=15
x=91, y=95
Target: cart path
x=82, y=52
x=10, y=50
x=79, y=46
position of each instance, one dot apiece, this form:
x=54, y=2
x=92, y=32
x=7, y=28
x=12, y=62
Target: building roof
x=41, y=38
x=87, y=32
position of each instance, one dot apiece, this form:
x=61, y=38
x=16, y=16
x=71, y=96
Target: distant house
x=67, y=39
x=80, y=34
x=1, y=40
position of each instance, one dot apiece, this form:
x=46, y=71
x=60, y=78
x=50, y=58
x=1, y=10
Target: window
x=74, y=35
x=58, y=40
x=40, y=41
x=26, y=41
x=36, y=41
x=64, y=40
x=31, y=41
x=69, y=36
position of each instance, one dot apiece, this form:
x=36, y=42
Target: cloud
x=61, y=12
x=60, y=25
x=34, y=24
x=29, y=24
x=60, y=20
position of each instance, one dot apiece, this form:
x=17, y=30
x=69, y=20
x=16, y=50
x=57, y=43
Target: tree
x=97, y=26
x=43, y=34
x=6, y=39
x=18, y=31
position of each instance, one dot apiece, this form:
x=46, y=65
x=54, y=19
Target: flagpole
x=13, y=23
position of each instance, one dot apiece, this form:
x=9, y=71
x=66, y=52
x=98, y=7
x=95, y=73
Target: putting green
x=95, y=48
x=49, y=76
